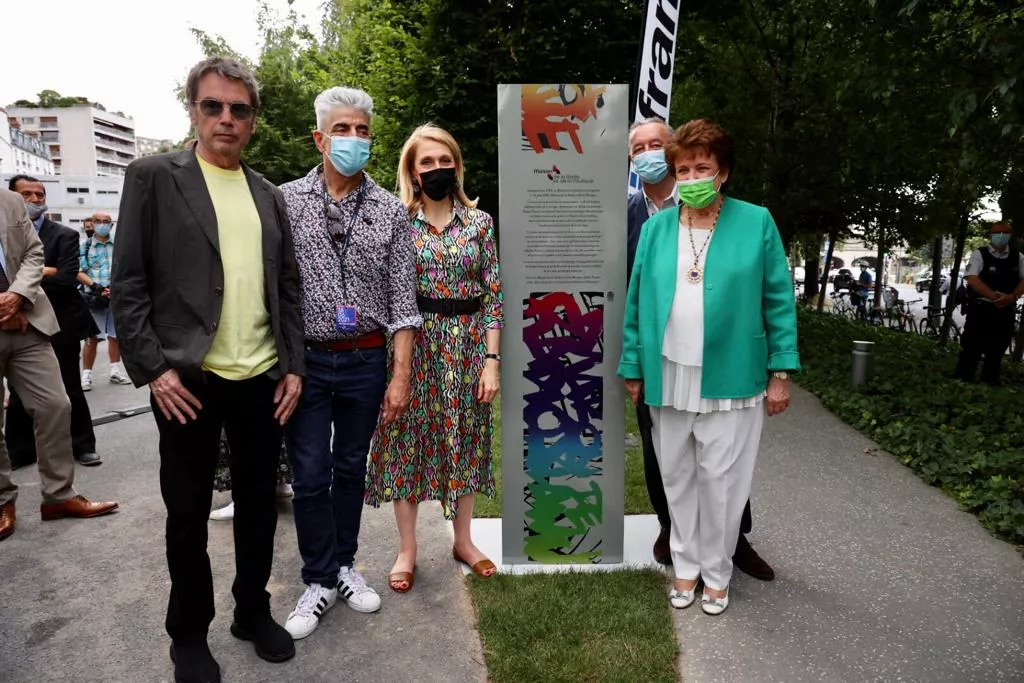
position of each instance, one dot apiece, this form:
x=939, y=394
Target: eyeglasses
x=240, y=111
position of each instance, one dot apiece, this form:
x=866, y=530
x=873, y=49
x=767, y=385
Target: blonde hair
x=412, y=199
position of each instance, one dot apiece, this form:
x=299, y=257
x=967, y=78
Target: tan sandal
x=401, y=577
x=480, y=568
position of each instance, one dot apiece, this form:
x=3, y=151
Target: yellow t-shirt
x=243, y=346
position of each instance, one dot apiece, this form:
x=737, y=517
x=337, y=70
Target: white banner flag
x=654, y=69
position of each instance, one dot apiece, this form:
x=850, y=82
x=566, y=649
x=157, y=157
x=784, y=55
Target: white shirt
x=682, y=348
x=977, y=263
x=652, y=207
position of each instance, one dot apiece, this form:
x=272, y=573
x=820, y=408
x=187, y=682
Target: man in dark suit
x=205, y=297
x=27, y=361
x=647, y=142
x=60, y=272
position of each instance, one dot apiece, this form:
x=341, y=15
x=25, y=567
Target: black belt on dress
x=448, y=307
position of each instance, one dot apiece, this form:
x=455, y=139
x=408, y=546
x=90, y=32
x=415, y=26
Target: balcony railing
x=110, y=144
x=113, y=159
x=107, y=129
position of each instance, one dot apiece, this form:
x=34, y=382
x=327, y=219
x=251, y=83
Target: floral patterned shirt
x=460, y=261
x=379, y=277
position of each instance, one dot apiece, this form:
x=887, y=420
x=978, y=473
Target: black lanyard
x=346, y=238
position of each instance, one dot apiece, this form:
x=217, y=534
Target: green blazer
x=749, y=311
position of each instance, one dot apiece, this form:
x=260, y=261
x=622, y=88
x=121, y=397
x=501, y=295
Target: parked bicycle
x=901, y=317
x=931, y=325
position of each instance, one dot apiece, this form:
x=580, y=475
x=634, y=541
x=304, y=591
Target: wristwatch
x=493, y=356
x=780, y=374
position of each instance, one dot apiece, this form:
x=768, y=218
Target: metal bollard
x=863, y=362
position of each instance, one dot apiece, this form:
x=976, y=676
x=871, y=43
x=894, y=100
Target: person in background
x=709, y=348
x=441, y=449
x=30, y=368
x=647, y=142
x=97, y=254
x=995, y=281
x=220, y=349
x=60, y=270
x=355, y=260
x=222, y=479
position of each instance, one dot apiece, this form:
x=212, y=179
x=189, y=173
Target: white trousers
x=707, y=467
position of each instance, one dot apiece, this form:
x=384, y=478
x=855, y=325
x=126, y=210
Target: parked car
x=798, y=275
x=923, y=282
x=843, y=279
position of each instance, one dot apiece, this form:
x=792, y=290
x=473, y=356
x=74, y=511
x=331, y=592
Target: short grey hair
x=644, y=122
x=225, y=67
x=350, y=98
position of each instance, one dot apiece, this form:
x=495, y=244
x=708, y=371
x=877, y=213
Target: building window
x=29, y=119
x=106, y=192
x=78, y=190
x=56, y=217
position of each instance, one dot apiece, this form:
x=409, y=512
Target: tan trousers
x=31, y=369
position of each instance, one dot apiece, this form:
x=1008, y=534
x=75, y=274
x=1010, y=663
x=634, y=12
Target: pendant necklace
x=695, y=274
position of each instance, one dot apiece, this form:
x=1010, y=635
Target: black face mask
x=438, y=183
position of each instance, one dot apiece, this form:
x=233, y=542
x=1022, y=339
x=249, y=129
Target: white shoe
x=713, y=606
x=311, y=606
x=285, y=491
x=86, y=380
x=224, y=514
x=682, y=599
x=356, y=593
x=118, y=375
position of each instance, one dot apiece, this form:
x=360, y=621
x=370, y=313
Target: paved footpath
x=880, y=577
x=83, y=600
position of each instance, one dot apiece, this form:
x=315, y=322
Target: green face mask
x=697, y=193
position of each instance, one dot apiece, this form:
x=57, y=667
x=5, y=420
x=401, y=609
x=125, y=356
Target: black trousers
x=19, y=431
x=188, y=456
x=652, y=473
x=987, y=333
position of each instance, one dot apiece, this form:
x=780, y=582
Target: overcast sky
x=127, y=55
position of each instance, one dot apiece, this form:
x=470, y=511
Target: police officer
x=995, y=281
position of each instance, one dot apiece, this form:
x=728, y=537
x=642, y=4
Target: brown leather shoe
x=749, y=562
x=78, y=506
x=662, y=553
x=6, y=520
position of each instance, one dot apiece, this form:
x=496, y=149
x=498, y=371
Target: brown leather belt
x=370, y=340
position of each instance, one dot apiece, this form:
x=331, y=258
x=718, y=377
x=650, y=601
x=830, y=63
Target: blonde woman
x=441, y=449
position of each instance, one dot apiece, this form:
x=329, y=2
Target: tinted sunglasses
x=240, y=111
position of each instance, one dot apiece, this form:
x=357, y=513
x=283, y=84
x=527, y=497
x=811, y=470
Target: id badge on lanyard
x=346, y=318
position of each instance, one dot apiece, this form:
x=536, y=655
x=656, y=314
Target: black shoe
x=662, y=553
x=88, y=459
x=749, y=562
x=272, y=642
x=193, y=663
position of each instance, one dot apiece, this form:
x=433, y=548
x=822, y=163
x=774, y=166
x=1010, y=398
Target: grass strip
x=596, y=626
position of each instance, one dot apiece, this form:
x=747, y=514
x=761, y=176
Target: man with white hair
x=354, y=248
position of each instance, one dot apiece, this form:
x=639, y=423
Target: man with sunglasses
x=206, y=298
x=353, y=242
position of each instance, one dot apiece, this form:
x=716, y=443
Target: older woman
x=441, y=450
x=709, y=340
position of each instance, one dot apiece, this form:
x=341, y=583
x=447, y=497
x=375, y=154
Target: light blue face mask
x=1000, y=239
x=651, y=166
x=349, y=154
x=102, y=229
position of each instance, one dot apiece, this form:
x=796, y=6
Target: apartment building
x=82, y=140
x=71, y=199
x=21, y=152
x=150, y=146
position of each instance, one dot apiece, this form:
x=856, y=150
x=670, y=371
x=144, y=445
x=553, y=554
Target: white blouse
x=682, y=348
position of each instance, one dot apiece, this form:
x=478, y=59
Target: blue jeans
x=343, y=389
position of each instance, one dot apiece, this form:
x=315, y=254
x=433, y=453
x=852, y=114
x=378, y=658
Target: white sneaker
x=118, y=375
x=306, y=616
x=86, y=380
x=224, y=514
x=356, y=593
x=285, y=491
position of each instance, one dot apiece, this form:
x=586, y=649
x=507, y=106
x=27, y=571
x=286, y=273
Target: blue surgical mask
x=349, y=154
x=102, y=229
x=35, y=210
x=1000, y=239
x=651, y=166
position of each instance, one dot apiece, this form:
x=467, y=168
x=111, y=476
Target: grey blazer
x=23, y=253
x=167, y=282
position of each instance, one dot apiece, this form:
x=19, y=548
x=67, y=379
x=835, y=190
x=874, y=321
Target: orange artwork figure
x=549, y=110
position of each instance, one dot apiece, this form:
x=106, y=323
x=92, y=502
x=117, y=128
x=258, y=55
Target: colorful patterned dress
x=441, y=449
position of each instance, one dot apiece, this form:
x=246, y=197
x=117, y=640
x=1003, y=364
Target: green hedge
x=966, y=438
